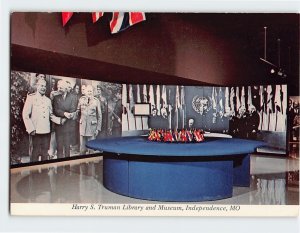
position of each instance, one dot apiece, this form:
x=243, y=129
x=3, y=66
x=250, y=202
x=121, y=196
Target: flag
x=164, y=96
x=138, y=119
x=131, y=98
x=136, y=17
x=96, y=16
x=168, y=101
x=177, y=106
x=66, y=16
x=177, y=99
x=243, y=100
x=182, y=102
x=158, y=100
x=122, y=20
x=249, y=100
x=238, y=103
x=214, y=98
x=227, y=107
x=232, y=95
x=145, y=99
x=151, y=97
x=270, y=99
x=182, y=95
x=221, y=106
x=138, y=95
x=124, y=95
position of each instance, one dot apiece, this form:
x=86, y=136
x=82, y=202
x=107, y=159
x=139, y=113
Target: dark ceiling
x=238, y=40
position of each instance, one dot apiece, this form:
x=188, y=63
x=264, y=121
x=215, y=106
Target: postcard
x=154, y=114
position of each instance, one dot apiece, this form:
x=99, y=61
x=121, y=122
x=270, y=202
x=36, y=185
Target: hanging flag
x=136, y=17
x=151, y=97
x=66, y=16
x=232, y=97
x=221, y=106
x=138, y=94
x=145, y=99
x=182, y=96
x=243, y=99
x=177, y=99
x=169, y=110
x=124, y=95
x=238, y=102
x=131, y=98
x=284, y=105
x=138, y=119
x=158, y=100
x=96, y=16
x=164, y=96
x=122, y=20
x=227, y=107
x=182, y=107
x=214, y=99
x=249, y=100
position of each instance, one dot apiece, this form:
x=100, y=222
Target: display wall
x=26, y=110
x=253, y=112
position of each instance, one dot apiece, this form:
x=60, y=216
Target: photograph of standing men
x=60, y=114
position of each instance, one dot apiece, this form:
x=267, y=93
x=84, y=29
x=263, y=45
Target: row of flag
x=270, y=102
x=119, y=21
x=160, y=99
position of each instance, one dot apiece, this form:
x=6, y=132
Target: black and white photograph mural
x=253, y=112
x=52, y=117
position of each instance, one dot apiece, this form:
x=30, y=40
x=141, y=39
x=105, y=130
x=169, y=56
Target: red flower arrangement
x=182, y=135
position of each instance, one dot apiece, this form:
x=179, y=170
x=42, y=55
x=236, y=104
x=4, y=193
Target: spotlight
x=272, y=71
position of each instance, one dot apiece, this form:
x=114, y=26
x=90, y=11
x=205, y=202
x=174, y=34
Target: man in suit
x=64, y=106
x=241, y=122
x=252, y=122
x=37, y=113
x=90, y=118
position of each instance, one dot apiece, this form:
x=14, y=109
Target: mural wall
x=52, y=116
x=254, y=112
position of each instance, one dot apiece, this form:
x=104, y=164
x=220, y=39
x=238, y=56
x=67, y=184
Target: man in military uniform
x=64, y=106
x=37, y=113
x=90, y=118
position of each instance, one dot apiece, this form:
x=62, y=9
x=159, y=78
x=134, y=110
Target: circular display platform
x=139, y=168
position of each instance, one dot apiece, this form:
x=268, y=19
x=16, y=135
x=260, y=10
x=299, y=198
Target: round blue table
x=136, y=167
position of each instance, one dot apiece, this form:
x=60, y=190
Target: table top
x=139, y=145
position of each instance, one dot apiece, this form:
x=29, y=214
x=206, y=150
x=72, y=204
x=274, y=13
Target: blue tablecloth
x=139, y=145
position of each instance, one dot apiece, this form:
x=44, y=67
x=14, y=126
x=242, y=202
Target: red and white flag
x=66, y=16
x=136, y=17
x=96, y=16
x=122, y=20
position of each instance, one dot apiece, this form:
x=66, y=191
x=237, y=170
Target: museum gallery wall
x=253, y=112
x=260, y=111
x=65, y=138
